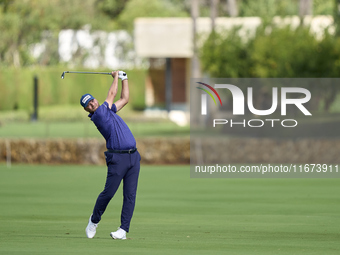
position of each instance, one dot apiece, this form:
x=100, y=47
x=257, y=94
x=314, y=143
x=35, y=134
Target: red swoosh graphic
x=213, y=90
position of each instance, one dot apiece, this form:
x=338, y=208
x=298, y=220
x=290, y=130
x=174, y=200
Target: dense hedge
x=16, y=87
x=274, y=52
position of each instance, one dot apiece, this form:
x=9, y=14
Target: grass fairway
x=86, y=129
x=45, y=209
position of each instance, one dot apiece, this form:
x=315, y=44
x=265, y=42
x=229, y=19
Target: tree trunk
x=306, y=8
x=337, y=17
x=16, y=58
x=213, y=13
x=195, y=65
x=194, y=16
x=232, y=8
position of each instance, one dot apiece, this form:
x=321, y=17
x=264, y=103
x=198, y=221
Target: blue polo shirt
x=115, y=131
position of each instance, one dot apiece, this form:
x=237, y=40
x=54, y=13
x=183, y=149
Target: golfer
x=122, y=157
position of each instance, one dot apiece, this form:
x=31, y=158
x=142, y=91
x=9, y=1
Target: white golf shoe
x=119, y=234
x=91, y=228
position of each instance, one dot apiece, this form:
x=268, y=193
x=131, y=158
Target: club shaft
x=87, y=72
x=63, y=75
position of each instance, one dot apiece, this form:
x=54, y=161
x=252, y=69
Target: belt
x=123, y=151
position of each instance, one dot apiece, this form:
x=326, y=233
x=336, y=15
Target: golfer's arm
x=112, y=92
x=124, y=96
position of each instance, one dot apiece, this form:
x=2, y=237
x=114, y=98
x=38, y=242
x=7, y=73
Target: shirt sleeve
x=114, y=108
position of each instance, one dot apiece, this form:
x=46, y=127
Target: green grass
x=45, y=209
x=86, y=129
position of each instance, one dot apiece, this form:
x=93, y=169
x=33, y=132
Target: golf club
x=63, y=75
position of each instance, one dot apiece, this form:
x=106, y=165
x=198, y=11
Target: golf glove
x=122, y=75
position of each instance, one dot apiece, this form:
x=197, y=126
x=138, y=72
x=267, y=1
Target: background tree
x=153, y=8
x=112, y=8
x=336, y=16
x=4, y=4
x=323, y=7
x=267, y=8
x=282, y=53
x=26, y=22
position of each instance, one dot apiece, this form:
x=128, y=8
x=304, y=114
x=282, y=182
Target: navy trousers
x=120, y=166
